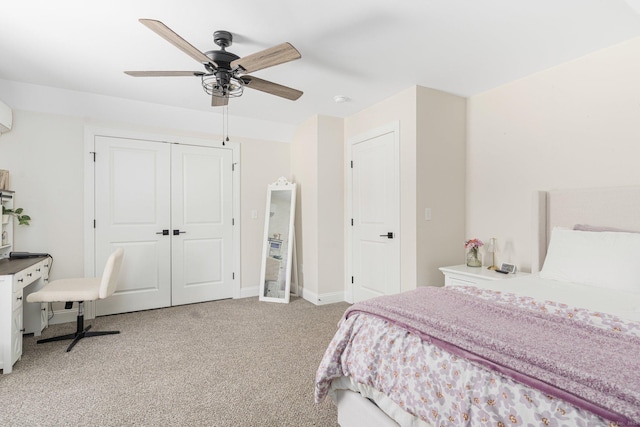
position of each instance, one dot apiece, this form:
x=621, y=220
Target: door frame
x=394, y=128
x=90, y=132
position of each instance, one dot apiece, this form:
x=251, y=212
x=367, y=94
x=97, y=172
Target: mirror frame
x=280, y=185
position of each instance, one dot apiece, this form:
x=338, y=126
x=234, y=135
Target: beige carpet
x=225, y=363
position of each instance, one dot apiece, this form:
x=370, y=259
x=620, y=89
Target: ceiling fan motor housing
x=223, y=73
x=223, y=38
x=222, y=58
x=225, y=82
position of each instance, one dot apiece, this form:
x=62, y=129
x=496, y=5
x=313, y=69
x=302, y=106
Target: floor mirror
x=275, y=278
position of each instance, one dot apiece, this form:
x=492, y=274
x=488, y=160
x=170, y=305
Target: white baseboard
x=312, y=297
x=249, y=292
x=64, y=316
x=323, y=299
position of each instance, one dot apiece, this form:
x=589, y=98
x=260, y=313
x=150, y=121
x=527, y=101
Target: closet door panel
x=201, y=224
x=132, y=207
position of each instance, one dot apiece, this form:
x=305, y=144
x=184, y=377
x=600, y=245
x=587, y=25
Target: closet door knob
x=176, y=232
x=163, y=232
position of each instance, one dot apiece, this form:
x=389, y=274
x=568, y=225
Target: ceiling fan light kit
x=226, y=73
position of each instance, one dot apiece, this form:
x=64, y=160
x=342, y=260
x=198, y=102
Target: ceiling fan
x=225, y=74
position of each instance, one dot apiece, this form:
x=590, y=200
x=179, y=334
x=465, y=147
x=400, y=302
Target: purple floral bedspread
x=441, y=388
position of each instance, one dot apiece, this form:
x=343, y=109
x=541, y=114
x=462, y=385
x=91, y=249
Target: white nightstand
x=470, y=276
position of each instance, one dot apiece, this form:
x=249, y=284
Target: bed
x=559, y=347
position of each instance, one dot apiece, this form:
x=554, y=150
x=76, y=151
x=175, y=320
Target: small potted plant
x=23, y=219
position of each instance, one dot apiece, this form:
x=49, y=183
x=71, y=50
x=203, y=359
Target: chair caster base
x=78, y=335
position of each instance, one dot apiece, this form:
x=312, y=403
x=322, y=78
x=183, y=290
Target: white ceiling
x=366, y=50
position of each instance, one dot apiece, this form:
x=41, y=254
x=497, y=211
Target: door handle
x=163, y=232
x=176, y=232
x=389, y=235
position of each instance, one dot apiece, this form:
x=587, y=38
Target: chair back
x=111, y=273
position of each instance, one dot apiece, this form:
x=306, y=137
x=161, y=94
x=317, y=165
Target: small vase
x=472, y=258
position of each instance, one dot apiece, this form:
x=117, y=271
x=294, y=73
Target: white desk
x=18, y=278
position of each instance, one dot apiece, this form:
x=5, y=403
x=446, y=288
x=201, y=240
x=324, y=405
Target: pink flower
x=473, y=244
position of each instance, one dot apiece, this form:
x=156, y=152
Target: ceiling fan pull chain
x=225, y=123
x=227, y=111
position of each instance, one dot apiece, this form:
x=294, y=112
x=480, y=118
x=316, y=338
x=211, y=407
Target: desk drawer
x=27, y=276
x=33, y=273
x=16, y=301
x=18, y=281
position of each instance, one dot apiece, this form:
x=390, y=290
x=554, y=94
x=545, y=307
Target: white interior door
x=132, y=205
x=375, y=205
x=202, y=230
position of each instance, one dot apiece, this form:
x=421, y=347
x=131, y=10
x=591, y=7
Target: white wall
x=305, y=174
x=576, y=125
x=400, y=108
x=331, y=219
x=432, y=162
x=45, y=154
x=263, y=162
x=440, y=176
x=573, y=126
x=125, y=112
x=317, y=166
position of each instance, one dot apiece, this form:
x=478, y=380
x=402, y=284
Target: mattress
x=620, y=304
x=418, y=383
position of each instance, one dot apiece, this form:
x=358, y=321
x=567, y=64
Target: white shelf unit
x=6, y=242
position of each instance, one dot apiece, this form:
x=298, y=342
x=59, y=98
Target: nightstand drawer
x=449, y=281
x=471, y=276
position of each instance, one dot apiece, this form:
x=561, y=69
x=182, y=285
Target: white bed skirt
x=356, y=407
x=355, y=410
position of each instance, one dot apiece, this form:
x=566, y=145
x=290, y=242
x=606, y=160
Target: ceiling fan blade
x=219, y=101
x=280, y=54
x=169, y=35
x=164, y=73
x=271, y=88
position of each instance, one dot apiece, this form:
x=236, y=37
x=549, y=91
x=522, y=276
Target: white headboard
x=617, y=207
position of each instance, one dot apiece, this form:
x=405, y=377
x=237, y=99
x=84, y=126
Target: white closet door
x=375, y=205
x=132, y=205
x=202, y=257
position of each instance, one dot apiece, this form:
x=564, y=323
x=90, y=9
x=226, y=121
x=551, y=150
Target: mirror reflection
x=275, y=282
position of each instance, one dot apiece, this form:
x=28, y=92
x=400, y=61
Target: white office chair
x=81, y=290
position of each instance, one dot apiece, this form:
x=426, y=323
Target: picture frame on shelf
x=4, y=179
